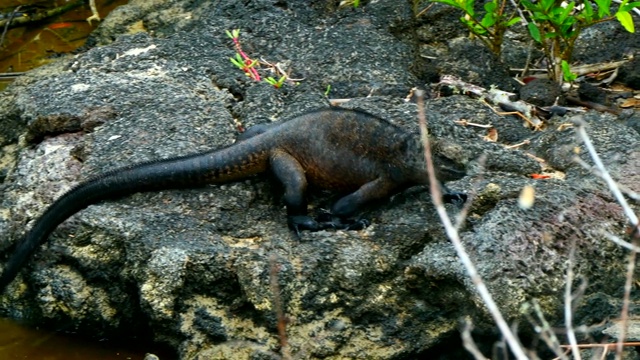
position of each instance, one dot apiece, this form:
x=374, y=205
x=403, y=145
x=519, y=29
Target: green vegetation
x=277, y=83
x=491, y=26
x=554, y=24
x=249, y=66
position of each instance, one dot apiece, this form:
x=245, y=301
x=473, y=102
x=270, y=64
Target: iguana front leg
x=291, y=174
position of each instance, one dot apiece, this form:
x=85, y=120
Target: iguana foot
x=303, y=222
x=325, y=220
x=339, y=223
x=358, y=224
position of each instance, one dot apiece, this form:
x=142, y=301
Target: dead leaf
x=492, y=135
x=631, y=102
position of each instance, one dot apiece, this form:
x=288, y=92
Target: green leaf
x=547, y=5
x=237, y=63
x=534, y=32
x=630, y=6
x=566, y=11
x=567, y=30
x=551, y=35
x=566, y=72
x=490, y=7
x=604, y=8
x=488, y=20
x=528, y=5
x=468, y=7
x=625, y=20
x=587, y=12
x=513, y=21
x=450, y=3
x=540, y=17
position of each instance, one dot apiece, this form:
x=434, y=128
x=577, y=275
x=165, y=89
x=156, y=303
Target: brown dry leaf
x=619, y=87
x=492, y=135
x=631, y=102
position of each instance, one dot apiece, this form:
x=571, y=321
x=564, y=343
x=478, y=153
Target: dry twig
x=452, y=233
x=94, y=12
x=568, y=305
x=633, y=219
x=23, y=20
x=635, y=229
x=278, y=308
x=468, y=343
x=542, y=327
x=624, y=313
x=497, y=97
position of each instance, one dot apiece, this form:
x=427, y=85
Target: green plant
x=276, y=83
x=245, y=65
x=327, y=91
x=242, y=60
x=489, y=27
x=250, y=66
x=345, y=3
x=567, y=75
x=556, y=25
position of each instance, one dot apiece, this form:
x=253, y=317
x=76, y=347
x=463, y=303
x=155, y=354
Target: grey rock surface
x=197, y=269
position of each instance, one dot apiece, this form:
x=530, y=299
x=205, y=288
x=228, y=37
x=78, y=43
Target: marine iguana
x=347, y=151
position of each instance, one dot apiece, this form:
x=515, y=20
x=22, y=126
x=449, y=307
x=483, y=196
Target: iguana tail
x=219, y=166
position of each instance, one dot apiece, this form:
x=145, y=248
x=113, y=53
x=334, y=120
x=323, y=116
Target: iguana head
x=449, y=160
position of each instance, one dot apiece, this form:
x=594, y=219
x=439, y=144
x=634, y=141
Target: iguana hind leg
x=378, y=189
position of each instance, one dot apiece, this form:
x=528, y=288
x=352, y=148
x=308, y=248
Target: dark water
x=21, y=342
x=26, y=47
x=22, y=49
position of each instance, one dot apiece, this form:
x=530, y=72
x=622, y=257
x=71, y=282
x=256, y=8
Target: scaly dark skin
x=349, y=152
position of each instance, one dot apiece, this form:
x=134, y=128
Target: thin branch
x=278, y=308
x=468, y=342
x=23, y=20
x=8, y=22
x=624, y=313
x=542, y=327
x=620, y=242
x=568, y=305
x=452, y=233
x=580, y=129
x=630, y=193
x=94, y=12
x=603, y=173
x=605, y=346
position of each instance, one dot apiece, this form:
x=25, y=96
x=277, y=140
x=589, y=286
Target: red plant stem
x=253, y=73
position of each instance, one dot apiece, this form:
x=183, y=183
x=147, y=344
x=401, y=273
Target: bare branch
x=542, y=327
x=278, y=308
x=624, y=313
x=580, y=129
x=452, y=233
x=624, y=244
x=468, y=343
x=568, y=305
x=21, y=21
